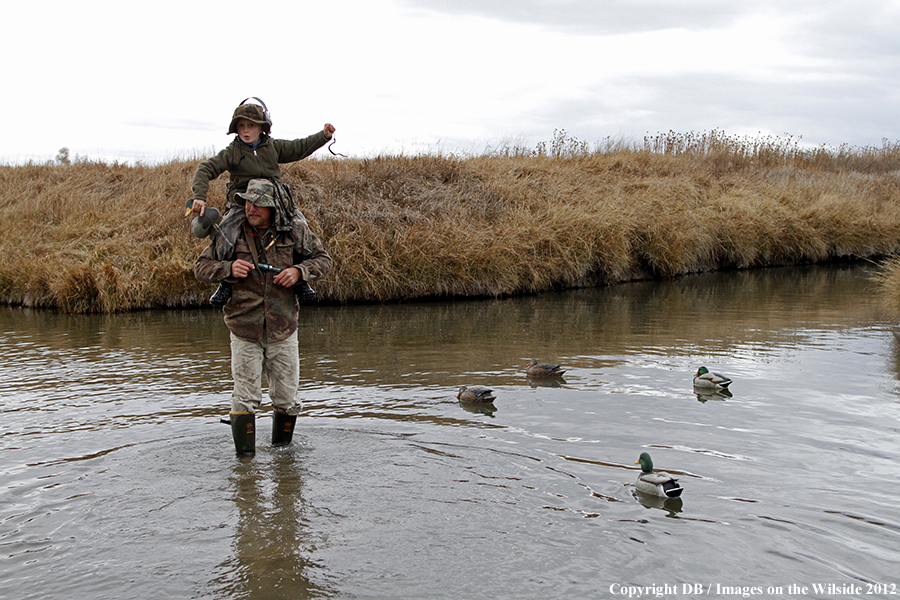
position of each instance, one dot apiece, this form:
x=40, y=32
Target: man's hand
x=328, y=130
x=288, y=277
x=241, y=268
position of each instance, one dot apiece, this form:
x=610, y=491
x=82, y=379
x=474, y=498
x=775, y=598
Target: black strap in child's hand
x=333, y=140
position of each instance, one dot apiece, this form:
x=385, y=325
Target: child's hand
x=328, y=130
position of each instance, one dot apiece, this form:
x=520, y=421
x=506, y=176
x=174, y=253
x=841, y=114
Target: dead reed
x=93, y=237
x=887, y=280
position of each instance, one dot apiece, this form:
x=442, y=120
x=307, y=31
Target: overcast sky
x=159, y=81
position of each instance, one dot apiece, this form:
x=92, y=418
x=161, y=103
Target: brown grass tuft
x=887, y=279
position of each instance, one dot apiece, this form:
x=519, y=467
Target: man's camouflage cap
x=260, y=192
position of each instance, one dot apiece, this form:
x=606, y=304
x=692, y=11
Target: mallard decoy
x=475, y=393
x=536, y=369
x=707, y=379
x=656, y=484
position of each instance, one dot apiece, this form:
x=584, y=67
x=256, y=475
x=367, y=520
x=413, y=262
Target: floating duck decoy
x=656, y=484
x=707, y=379
x=475, y=393
x=536, y=369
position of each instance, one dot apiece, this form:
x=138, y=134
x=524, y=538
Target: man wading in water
x=264, y=264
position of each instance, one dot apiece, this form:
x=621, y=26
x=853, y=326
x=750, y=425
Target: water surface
x=119, y=480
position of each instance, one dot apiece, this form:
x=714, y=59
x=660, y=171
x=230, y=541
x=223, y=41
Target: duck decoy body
x=536, y=369
x=475, y=393
x=656, y=484
x=705, y=378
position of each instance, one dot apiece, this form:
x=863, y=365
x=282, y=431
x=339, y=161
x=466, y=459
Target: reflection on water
x=545, y=382
x=482, y=408
x=672, y=506
x=429, y=342
x=118, y=475
x=272, y=545
x=706, y=394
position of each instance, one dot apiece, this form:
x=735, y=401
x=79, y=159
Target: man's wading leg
x=282, y=364
x=246, y=370
x=243, y=430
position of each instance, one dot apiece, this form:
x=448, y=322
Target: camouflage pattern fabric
x=284, y=206
x=233, y=221
x=253, y=113
x=259, y=309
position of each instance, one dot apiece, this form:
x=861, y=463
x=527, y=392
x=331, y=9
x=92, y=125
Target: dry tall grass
x=887, y=280
x=95, y=237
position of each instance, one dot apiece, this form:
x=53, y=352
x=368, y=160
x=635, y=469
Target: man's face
x=259, y=217
x=248, y=131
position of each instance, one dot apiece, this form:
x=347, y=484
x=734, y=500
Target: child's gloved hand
x=194, y=205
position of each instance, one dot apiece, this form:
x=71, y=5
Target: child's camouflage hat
x=260, y=192
x=254, y=113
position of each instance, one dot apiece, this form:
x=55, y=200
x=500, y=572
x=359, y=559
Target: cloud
x=823, y=71
x=396, y=75
x=609, y=17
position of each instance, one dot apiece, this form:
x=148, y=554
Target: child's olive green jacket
x=245, y=163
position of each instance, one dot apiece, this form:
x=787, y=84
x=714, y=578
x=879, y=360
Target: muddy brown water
x=120, y=482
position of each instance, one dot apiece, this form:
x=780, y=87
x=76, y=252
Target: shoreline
x=90, y=237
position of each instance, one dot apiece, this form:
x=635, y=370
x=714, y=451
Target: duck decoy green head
x=655, y=484
x=706, y=378
x=645, y=462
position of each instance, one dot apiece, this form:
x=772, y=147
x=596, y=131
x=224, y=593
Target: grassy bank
x=95, y=237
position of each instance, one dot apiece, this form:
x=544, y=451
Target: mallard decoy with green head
x=656, y=484
x=705, y=378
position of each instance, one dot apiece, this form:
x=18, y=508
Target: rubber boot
x=282, y=428
x=222, y=295
x=304, y=291
x=243, y=429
